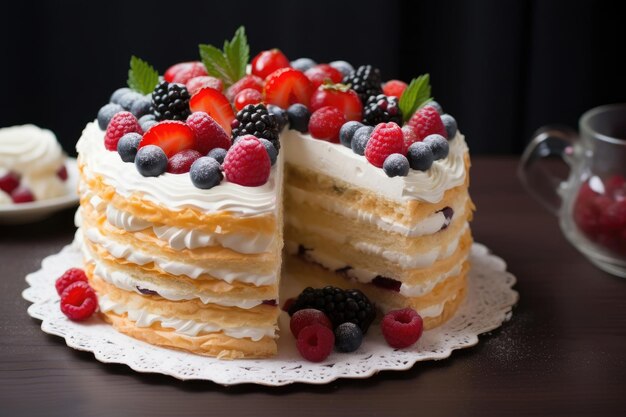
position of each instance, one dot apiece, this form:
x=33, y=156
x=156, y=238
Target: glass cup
x=591, y=203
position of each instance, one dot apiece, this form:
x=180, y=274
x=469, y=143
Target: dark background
x=502, y=68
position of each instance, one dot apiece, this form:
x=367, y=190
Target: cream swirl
x=30, y=151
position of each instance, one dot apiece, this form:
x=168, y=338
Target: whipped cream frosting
x=338, y=161
x=171, y=190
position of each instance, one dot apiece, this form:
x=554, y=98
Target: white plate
x=37, y=210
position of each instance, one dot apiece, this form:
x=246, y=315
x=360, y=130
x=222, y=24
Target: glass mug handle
x=541, y=183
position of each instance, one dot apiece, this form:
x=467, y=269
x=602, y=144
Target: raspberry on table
x=121, y=123
x=386, y=138
x=326, y=122
x=315, y=342
x=402, y=328
x=247, y=162
x=79, y=301
x=307, y=317
x=70, y=276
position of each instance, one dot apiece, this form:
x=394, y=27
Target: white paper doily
x=488, y=304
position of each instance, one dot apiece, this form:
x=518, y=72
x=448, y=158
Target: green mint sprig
x=142, y=77
x=415, y=96
x=228, y=64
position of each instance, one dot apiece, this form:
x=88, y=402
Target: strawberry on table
x=171, y=135
x=339, y=96
x=266, y=62
x=215, y=104
x=287, y=86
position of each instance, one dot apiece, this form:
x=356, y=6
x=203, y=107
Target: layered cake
x=184, y=176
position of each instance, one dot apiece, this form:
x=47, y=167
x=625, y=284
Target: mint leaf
x=230, y=63
x=142, y=77
x=416, y=95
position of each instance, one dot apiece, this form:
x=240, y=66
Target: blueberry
x=396, y=165
x=420, y=156
x=106, y=113
x=141, y=106
x=303, y=64
x=299, y=116
x=151, y=161
x=360, y=139
x=218, y=154
x=435, y=105
x=348, y=337
x=347, y=132
x=450, y=123
x=205, y=173
x=438, y=145
x=279, y=114
x=128, y=99
x=147, y=121
x=271, y=150
x=117, y=94
x=128, y=145
x=343, y=67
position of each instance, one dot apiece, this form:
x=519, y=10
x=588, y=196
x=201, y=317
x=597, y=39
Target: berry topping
x=9, y=182
x=343, y=67
x=271, y=150
x=141, y=106
x=420, y=156
x=122, y=123
x=247, y=96
x=151, y=161
x=70, y=276
x=175, y=69
x=396, y=165
x=315, y=342
x=180, y=163
x=366, y=81
x=22, y=194
x=360, y=139
x=339, y=96
x=106, y=113
x=256, y=120
x=326, y=122
x=287, y=86
x=410, y=137
x=426, y=121
x=196, y=83
x=382, y=109
x=128, y=145
x=170, y=101
x=193, y=70
x=79, y=301
x=347, y=132
x=218, y=154
x=205, y=173
x=147, y=121
x=62, y=173
x=280, y=116
x=348, y=337
x=307, y=317
x=402, y=328
x=117, y=95
x=208, y=133
x=438, y=145
x=266, y=62
x=128, y=99
x=249, y=81
x=247, y=162
x=435, y=105
x=339, y=305
x=394, y=88
x=171, y=136
x=303, y=64
x=386, y=139
x=450, y=124
x=322, y=73
x=299, y=116
x=215, y=104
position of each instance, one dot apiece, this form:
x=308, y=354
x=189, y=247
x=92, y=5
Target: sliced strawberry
x=195, y=84
x=215, y=104
x=287, y=86
x=196, y=69
x=321, y=73
x=339, y=96
x=174, y=69
x=266, y=62
x=171, y=135
x=249, y=81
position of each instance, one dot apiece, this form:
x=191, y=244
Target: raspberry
x=22, y=194
x=192, y=71
x=402, y=328
x=79, y=301
x=409, y=138
x=307, y=317
x=387, y=138
x=394, y=88
x=195, y=84
x=9, y=182
x=247, y=162
x=122, y=123
x=62, y=173
x=326, y=122
x=209, y=134
x=247, y=96
x=427, y=121
x=315, y=342
x=181, y=162
x=70, y=276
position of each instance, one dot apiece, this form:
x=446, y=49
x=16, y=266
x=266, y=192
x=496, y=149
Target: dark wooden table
x=563, y=352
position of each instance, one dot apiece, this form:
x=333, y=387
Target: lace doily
x=488, y=304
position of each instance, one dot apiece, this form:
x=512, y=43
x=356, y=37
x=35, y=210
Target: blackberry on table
x=366, y=81
x=170, y=101
x=255, y=119
x=382, y=109
x=341, y=306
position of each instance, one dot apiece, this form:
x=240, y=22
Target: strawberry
x=249, y=81
x=215, y=104
x=174, y=69
x=266, y=62
x=426, y=121
x=287, y=86
x=196, y=69
x=247, y=96
x=196, y=83
x=247, y=162
x=170, y=135
x=386, y=138
x=321, y=73
x=339, y=96
x=394, y=88
x=325, y=123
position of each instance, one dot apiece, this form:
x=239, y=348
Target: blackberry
x=170, y=101
x=366, y=81
x=255, y=119
x=382, y=109
x=341, y=306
